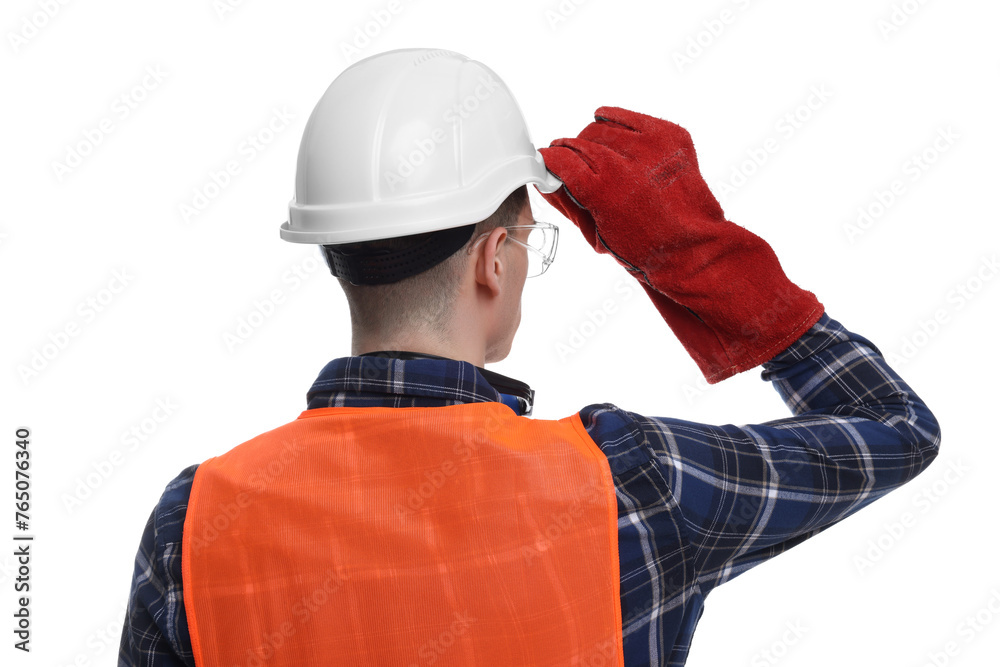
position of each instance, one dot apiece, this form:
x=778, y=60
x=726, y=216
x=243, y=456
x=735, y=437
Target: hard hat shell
x=409, y=141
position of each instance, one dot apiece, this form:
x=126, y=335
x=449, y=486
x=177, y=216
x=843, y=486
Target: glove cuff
x=722, y=348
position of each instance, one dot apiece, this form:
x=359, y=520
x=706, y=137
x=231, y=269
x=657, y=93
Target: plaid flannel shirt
x=698, y=504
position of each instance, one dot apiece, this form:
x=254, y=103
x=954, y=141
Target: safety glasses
x=542, y=241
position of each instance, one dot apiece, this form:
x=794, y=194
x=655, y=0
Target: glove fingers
x=573, y=167
x=567, y=163
x=641, y=122
x=623, y=140
x=620, y=128
x=601, y=160
x=631, y=120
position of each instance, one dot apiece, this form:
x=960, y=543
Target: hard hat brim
x=349, y=223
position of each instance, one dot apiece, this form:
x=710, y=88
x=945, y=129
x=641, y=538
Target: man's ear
x=490, y=263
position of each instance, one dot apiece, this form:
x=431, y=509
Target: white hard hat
x=406, y=142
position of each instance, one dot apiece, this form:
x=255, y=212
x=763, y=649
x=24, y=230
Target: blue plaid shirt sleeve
x=747, y=493
x=155, y=630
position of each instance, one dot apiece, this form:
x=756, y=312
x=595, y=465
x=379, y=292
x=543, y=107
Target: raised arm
x=745, y=493
x=749, y=492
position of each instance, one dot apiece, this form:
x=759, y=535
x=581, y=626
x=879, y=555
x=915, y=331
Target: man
x=413, y=513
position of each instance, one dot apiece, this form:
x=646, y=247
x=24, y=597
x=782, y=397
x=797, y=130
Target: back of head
x=408, y=156
x=423, y=301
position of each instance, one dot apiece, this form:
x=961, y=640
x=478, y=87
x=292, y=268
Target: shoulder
x=155, y=629
x=618, y=433
x=170, y=511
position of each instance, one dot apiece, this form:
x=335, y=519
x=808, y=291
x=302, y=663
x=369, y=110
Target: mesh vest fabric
x=450, y=535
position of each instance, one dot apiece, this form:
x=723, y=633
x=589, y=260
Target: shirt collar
x=400, y=378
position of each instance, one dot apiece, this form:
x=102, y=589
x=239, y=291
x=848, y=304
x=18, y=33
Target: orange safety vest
x=451, y=535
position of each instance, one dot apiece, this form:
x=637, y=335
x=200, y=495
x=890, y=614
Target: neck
x=461, y=350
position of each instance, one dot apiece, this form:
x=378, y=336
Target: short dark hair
x=425, y=299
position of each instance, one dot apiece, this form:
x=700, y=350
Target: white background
x=894, y=75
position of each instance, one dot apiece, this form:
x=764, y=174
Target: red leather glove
x=631, y=184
